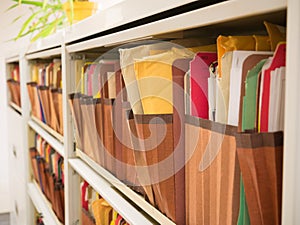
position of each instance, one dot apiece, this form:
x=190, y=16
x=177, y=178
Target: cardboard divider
x=212, y=173
x=14, y=88
x=261, y=160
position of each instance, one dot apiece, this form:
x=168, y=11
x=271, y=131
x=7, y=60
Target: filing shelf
x=133, y=196
x=42, y=204
x=207, y=19
x=121, y=13
x=47, y=134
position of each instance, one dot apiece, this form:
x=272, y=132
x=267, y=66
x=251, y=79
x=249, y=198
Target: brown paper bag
x=261, y=158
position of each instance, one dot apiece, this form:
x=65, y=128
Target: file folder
x=199, y=83
x=236, y=83
x=278, y=61
x=232, y=43
x=43, y=93
x=250, y=100
x=277, y=100
x=74, y=102
x=154, y=76
x=179, y=69
x=250, y=62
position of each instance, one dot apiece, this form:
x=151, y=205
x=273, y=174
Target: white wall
x=9, y=30
x=5, y=204
x=7, y=48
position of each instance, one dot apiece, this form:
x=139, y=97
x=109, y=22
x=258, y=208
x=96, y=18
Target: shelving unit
x=90, y=37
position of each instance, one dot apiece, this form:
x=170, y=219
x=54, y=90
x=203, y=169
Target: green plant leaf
x=28, y=2
x=40, y=21
x=27, y=23
x=28, y=32
x=45, y=2
x=49, y=29
x=72, y=11
x=16, y=19
x=11, y=7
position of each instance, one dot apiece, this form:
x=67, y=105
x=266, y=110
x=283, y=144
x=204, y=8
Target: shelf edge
x=52, y=141
x=42, y=204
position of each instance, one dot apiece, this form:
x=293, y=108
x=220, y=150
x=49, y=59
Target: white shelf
x=16, y=107
x=213, y=14
x=47, y=135
x=49, y=42
x=42, y=205
x=131, y=214
x=133, y=196
x=45, y=54
x=13, y=59
x=54, y=133
x=120, y=13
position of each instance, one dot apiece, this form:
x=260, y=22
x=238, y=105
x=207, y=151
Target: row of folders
x=194, y=127
x=45, y=93
x=48, y=171
x=13, y=83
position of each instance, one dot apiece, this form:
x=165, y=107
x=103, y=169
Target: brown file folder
x=74, y=102
x=43, y=93
x=108, y=135
x=53, y=101
x=33, y=154
x=14, y=88
x=87, y=142
x=60, y=111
